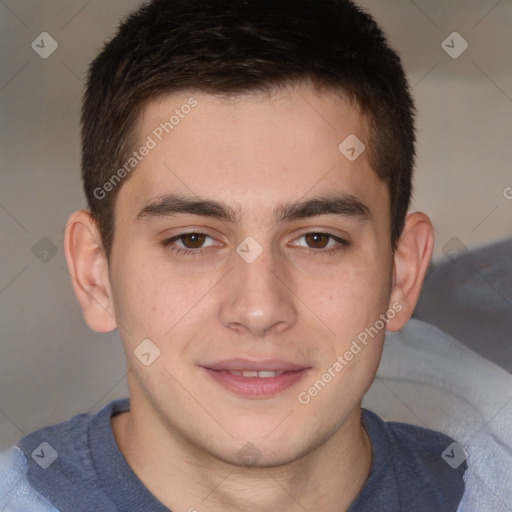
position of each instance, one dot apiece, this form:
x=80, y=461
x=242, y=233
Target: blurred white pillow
x=429, y=379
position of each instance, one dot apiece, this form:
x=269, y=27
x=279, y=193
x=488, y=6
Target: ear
x=410, y=263
x=88, y=267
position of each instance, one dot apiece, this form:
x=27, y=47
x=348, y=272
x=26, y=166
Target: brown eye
x=193, y=240
x=317, y=240
x=190, y=244
x=318, y=243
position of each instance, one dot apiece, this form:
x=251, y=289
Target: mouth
x=263, y=374
x=255, y=379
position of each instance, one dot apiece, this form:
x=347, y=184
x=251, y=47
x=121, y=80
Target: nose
x=258, y=297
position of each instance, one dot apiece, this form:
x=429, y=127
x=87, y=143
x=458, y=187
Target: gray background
x=51, y=365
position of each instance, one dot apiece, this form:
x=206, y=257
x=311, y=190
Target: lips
x=247, y=365
x=255, y=379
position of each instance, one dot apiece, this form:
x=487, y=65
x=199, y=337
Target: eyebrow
x=169, y=205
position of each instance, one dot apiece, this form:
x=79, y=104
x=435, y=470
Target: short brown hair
x=230, y=47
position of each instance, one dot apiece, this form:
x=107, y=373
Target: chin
x=259, y=455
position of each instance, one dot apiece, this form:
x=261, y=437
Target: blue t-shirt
x=76, y=466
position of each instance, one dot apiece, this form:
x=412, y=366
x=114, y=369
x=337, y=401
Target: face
x=252, y=253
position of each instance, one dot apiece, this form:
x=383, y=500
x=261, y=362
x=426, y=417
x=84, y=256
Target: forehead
x=253, y=151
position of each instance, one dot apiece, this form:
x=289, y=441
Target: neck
x=184, y=477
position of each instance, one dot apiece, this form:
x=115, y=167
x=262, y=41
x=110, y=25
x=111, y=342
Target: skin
x=295, y=302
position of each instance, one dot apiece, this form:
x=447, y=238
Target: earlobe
x=88, y=267
x=411, y=260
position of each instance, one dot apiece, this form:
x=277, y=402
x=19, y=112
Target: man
x=248, y=170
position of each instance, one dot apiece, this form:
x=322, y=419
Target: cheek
x=353, y=299
x=142, y=298
x=154, y=300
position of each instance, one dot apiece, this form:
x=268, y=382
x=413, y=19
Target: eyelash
x=342, y=244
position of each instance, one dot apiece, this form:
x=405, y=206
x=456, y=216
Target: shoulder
x=424, y=467
x=55, y=444
x=52, y=467
x=16, y=494
x=423, y=442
